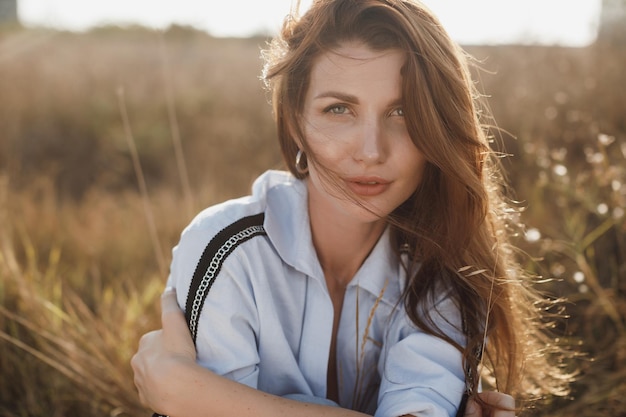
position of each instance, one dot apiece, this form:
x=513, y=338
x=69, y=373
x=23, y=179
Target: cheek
x=415, y=164
x=327, y=143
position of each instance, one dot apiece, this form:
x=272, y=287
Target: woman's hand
x=161, y=354
x=497, y=404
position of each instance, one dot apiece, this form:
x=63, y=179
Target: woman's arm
x=168, y=355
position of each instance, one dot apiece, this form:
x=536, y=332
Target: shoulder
x=217, y=236
x=221, y=225
x=234, y=214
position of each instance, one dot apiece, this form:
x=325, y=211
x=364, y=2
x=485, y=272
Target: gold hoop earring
x=301, y=157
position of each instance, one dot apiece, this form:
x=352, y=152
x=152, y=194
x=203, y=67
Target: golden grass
x=79, y=256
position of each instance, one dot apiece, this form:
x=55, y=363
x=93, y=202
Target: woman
x=372, y=274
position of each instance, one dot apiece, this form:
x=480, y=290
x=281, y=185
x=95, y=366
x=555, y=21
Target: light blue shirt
x=267, y=320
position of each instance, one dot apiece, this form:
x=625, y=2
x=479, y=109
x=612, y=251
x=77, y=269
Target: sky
x=563, y=22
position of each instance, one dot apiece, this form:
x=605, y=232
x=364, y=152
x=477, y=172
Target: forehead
x=356, y=63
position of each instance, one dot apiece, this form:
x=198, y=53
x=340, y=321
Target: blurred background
x=118, y=123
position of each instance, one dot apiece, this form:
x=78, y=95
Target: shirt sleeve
x=421, y=374
x=228, y=322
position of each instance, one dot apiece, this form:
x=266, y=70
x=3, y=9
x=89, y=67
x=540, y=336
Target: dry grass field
x=111, y=140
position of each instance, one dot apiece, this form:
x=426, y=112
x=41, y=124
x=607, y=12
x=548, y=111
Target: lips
x=367, y=186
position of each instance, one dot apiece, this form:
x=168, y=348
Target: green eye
x=336, y=109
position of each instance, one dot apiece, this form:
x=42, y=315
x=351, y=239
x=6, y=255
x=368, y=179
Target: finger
x=138, y=385
x=147, y=340
x=169, y=301
x=175, y=331
x=136, y=364
x=473, y=409
x=138, y=361
x=498, y=400
x=502, y=413
x=172, y=317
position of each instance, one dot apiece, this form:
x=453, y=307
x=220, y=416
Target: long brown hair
x=458, y=223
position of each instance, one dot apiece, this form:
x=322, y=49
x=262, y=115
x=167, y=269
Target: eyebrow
x=338, y=95
x=349, y=98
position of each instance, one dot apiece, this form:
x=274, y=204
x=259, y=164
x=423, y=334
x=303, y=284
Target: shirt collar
x=381, y=271
x=288, y=228
x=287, y=222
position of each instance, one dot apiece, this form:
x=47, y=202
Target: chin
x=367, y=213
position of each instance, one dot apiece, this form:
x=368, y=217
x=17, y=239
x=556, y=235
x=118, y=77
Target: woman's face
x=354, y=124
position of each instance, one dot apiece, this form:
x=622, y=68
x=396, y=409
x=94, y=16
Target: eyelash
x=333, y=110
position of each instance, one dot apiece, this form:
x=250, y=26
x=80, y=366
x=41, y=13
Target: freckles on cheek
x=328, y=152
x=328, y=144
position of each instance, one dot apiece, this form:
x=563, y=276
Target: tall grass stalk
x=128, y=134
x=175, y=129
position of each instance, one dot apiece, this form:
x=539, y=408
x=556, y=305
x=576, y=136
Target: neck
x=342, y=245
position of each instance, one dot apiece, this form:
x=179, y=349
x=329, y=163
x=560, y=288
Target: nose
x=369, y=147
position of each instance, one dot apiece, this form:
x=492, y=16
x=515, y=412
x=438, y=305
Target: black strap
x=210, y=264
x=211, y=261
